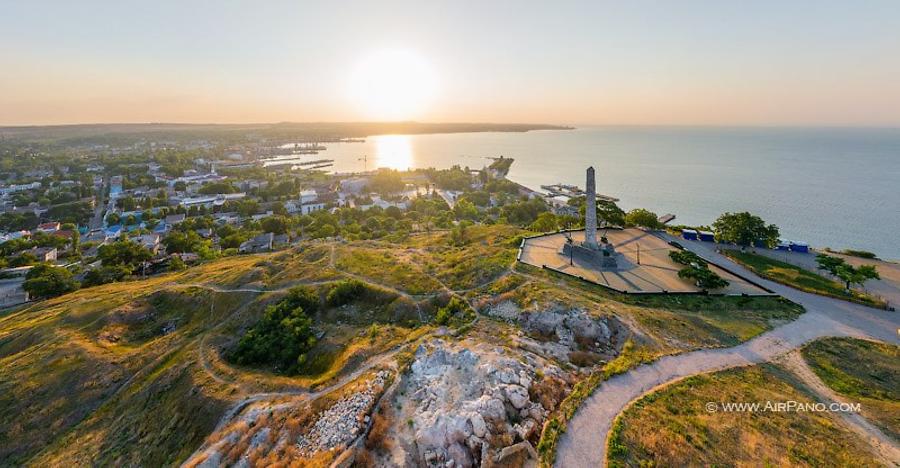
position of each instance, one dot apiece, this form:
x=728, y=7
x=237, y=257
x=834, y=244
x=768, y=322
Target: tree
x=176, y=263
x=44, y=280
x=829, y=263
x=248, y=208
x=851, y=275
x=215, y=188
x=106, y=274
x=744, y=229
x=386, y=182
x=545, y=222
x=24, y=259
x=459, y=234
x=124, y=253
x=643, y=218
x=180, y=242
x=275, y=224
x=112, y=219
x=464, y=209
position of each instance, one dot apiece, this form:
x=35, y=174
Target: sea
x=830, y=187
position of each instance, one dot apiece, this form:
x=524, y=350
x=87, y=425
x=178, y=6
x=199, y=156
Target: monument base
x=602, y=257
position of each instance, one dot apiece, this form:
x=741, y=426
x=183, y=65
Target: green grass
x=386, y=266
x=864, y=372
x=671, y=427
x=799, y=278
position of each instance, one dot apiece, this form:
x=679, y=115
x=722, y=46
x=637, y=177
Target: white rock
x=479, y=427
x=517, y=396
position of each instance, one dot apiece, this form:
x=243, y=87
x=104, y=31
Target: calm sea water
x=829, y=187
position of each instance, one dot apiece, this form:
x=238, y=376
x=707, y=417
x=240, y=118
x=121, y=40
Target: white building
x=309, y=208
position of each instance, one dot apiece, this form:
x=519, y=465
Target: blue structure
x=689, y=234
x=706, y=236
x=799, y=247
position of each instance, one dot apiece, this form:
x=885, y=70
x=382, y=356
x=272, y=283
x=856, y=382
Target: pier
x=573, y=191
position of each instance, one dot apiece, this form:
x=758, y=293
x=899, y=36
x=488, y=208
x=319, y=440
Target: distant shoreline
x=306, y=130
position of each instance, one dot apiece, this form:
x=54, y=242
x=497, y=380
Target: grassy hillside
x=136, y=373
x=864, y=372
x=672, y=427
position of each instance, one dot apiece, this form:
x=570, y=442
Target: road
x=584, y=442
x=99, y=205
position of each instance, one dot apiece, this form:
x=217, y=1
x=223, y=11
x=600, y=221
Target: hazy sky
x=590, y=62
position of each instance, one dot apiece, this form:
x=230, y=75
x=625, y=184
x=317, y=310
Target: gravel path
x=584, y=443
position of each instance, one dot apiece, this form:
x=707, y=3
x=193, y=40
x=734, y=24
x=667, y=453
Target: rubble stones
x=340, y=424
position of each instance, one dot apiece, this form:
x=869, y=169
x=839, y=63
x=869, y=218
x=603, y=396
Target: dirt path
x=584, y=443
x=883, y=446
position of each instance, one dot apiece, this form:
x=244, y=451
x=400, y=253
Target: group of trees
x=284, y=334
x=44, y=280
x=745, y=230
x=846, y=272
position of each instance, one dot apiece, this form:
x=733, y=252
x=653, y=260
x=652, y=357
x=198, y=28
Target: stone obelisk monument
x=590, y=211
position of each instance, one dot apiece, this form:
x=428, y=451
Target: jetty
x=573, y=191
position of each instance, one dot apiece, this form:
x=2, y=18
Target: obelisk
x=590, y=212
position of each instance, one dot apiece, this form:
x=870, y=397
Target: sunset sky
x=590, y=62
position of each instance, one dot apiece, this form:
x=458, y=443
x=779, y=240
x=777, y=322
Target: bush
x=686, y=257
x=284, y=334
x=456, y=313
x=703, y=277
x=859, y=253
x=345, y=292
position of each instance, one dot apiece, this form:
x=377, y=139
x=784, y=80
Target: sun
x=393, y=84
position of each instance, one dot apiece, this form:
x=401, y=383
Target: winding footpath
x=584, y=442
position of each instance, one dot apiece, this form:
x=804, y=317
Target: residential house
x=307, y=209
x=151, y=242
x=174, y=219
x=281, y=240
x=52, y=226
x=260, y=243
x=44, y=254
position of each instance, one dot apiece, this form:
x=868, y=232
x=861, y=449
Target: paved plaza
x=655, y=273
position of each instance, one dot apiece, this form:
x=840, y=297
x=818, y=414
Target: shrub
x=859, y=253
x=345, y=292
x=456, y=313
x=703, y=277
x=686, y=257
x=284, y=334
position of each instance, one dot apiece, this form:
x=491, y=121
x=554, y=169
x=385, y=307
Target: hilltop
x=447, y=349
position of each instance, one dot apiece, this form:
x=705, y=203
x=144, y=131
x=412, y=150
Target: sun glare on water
x=393, y=152
x=393, y=85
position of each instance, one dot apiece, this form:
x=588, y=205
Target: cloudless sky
x=571, y=62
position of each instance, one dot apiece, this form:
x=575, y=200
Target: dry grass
x=672, y=426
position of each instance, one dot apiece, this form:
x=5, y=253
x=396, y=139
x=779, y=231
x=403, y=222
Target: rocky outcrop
x=468, y=401
x=558, y=331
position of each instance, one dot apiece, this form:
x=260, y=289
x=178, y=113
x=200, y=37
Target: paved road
x=584, y=443
x=99, y=205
